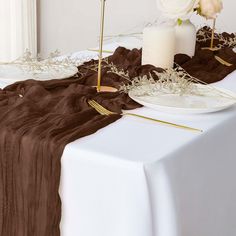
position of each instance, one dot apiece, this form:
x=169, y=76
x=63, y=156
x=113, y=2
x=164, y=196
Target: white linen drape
x=18, y=28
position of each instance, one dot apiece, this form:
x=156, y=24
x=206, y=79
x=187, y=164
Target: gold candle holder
x=212, y=38
x=99, y=87
x=212, y=48
x=213, y=34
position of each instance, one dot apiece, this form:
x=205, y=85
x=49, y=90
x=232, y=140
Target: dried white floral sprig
x=170, y=81
x=30, y=64
x=111, y=68
x=94, y=66
x=224, y=40
x=120, y=72
x=212, y=89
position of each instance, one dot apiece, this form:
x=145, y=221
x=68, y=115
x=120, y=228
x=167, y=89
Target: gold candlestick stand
x=212, y=48
x=213, y=34
x=99, y=87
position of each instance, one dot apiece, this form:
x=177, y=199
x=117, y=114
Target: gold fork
x=103, y=111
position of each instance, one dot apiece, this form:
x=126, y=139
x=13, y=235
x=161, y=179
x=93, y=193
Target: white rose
x=210, y=8
x=177, y=9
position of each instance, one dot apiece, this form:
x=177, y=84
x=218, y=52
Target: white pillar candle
x=186, y=38
x=159, y=46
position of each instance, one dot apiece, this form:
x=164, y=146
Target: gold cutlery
x=103, y=111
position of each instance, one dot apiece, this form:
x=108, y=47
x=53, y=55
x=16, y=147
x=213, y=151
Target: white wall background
x=72, y=25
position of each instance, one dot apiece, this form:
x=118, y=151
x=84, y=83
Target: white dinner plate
x=14, y=73
x=212, y=101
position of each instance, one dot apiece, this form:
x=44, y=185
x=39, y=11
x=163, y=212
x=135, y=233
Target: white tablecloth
x=138, y=178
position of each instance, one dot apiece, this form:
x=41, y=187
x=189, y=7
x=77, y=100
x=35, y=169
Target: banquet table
x=139, y=178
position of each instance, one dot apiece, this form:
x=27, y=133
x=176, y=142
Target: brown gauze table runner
x=38, y=119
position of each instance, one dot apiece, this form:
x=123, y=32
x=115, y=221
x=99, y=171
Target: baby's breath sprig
x=225, y=40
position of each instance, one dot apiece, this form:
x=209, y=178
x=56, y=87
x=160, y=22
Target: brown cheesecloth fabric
x=38, y=119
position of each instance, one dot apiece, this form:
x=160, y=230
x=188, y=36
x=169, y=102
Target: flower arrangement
x=180, y=10
x=210, y=8
x=183, y=9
